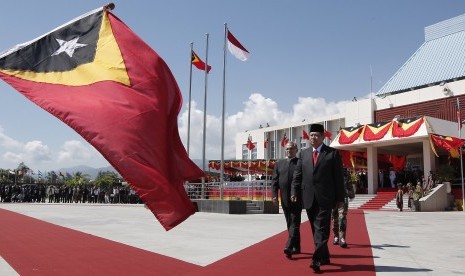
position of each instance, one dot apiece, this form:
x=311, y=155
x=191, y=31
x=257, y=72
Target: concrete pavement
x=402, y=242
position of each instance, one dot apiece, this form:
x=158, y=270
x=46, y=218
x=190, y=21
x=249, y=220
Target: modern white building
x=429, y=85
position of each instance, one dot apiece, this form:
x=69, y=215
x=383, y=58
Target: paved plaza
x=417, y=243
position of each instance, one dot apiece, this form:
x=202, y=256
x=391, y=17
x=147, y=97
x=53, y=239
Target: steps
x=359, y=200
x=253, y=208
x=382, y=198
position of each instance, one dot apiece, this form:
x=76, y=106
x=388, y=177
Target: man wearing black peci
x=319, y=177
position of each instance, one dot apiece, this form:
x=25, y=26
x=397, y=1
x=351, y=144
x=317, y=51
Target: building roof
x=440, y=58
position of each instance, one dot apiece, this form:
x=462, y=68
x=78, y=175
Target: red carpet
x=34, y=247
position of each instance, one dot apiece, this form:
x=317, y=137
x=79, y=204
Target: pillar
x=429, y=163
x=372, y=169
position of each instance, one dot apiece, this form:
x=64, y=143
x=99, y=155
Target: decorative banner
x=348, y=135
x=376, y=131
x=448, y=143
x=236, y=166
x=406, y=127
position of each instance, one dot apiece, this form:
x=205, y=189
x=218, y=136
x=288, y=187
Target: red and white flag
x=236, y=48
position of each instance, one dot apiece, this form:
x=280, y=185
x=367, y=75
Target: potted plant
x=445, y=173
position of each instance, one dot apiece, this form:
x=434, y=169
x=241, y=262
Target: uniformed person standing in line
x=339, y=215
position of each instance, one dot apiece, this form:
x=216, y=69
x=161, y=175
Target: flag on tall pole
x=98, y=77
x=197, y=62
x=236, y=48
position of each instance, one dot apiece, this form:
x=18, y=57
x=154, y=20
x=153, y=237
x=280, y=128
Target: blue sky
x=308, y=57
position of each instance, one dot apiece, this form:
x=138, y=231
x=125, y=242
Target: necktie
x=315, y=157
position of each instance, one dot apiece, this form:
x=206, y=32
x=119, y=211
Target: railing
x=243, y=190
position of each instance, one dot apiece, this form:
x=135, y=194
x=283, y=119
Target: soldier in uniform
x=339, y=215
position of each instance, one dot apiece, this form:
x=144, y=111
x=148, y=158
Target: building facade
x=431, y=83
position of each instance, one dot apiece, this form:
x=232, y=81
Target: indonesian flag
x=98, y=77
x=236, y=48
x=406, y=127
x=250, y=144
x=197, y=62
x=284, y=140
x=305, y=135
x=348, y=135
x=376, y=131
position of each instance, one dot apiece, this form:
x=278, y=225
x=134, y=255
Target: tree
x=107, y=179
x=78, y=178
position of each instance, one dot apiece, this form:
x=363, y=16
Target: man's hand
x=293, y=198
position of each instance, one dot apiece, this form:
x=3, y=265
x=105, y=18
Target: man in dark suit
x=319, y=177
x=282, y=180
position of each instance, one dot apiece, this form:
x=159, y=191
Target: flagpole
x=189, y=104
x=461, y=160
x=223, y=114
x=205, y=115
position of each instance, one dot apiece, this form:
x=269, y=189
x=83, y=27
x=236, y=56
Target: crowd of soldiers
x=66, y=194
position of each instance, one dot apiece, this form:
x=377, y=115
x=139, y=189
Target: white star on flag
x=68, y=46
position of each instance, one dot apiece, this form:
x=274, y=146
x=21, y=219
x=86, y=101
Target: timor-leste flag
x=376, y=131
x=406, y=127
x=348, y=135
x=98, y=77
x=197, y=62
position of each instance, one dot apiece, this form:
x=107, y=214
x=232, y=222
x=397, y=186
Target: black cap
x=317, y=128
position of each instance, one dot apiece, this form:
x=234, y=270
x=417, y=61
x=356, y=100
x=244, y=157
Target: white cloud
x=258, y=110
x=74, y=151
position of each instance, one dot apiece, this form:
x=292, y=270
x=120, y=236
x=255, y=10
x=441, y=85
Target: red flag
x=236, y=48
x=250, y=144
x=328, y=134
x=97, y=76
x=265, y=144
x=284, y=140
x=305, y=135
x=197, y=62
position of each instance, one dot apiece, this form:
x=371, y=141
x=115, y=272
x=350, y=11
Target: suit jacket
x=283, y=173
x=323, y=182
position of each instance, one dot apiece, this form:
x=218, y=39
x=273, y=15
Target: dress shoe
x=315, y=265
x=343, y=243
x=336, y=240
x=288, y=253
